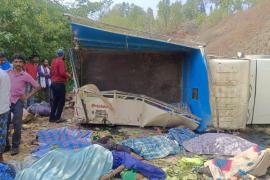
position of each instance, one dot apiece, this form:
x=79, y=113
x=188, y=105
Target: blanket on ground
x=252, y=161
x=90, y=162
x=217, y=143
x=152, y=147
x=181, y=134
x=67, y=138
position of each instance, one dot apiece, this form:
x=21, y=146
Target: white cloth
x=42, y=79
x=4, y=92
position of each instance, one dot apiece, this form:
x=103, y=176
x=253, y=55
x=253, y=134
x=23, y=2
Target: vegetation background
x=38, y=26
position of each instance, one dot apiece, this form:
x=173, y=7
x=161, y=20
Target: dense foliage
x=38, y=26
x=172, y=14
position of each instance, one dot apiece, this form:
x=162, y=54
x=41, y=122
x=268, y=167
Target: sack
x=42, y=109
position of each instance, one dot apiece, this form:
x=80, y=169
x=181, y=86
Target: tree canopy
x=39, y=27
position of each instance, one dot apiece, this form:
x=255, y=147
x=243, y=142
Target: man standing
x=4, y=64
x=18, y=79
x=31, y=68
x=59, y=77
x=4, y=109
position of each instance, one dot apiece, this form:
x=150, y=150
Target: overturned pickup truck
x=114, y=60
x=228, y=93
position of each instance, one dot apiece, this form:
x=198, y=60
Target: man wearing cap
x=59, y=76
x=19, y=79
x=4, y=109
x=4, y=64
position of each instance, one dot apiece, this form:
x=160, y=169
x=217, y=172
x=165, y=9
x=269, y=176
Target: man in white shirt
x=4, y=109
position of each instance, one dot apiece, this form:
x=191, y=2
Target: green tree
x=32, y=26
x=150, y=21
x=38, y=26
x=177, y=15
x=164, y=13
x=129, y=16
x=195, y=10
x=86, y=8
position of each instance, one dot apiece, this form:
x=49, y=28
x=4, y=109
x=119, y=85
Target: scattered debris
x=185, y=168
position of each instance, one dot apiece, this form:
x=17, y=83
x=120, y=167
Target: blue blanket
x=7, y=172
x=153, y=147
x=181, y=134
x=67, y=138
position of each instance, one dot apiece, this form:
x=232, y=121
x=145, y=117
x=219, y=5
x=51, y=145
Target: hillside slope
x=247, y=31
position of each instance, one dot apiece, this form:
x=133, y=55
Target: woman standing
x=44, y=79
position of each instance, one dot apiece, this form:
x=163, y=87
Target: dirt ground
x=246, y=31
x=30, y=129
x=256, y=134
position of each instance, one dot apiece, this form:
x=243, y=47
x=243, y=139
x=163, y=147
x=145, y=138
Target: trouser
x=17, y=110
x=46, y=92
x=31, y=100
x=58, y=100
x=3, y=131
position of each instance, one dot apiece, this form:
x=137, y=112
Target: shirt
x=44, y=76
x=58, y=70
x=4, y=92
x=6, y=66
x=18, y=83
x=31, y=69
